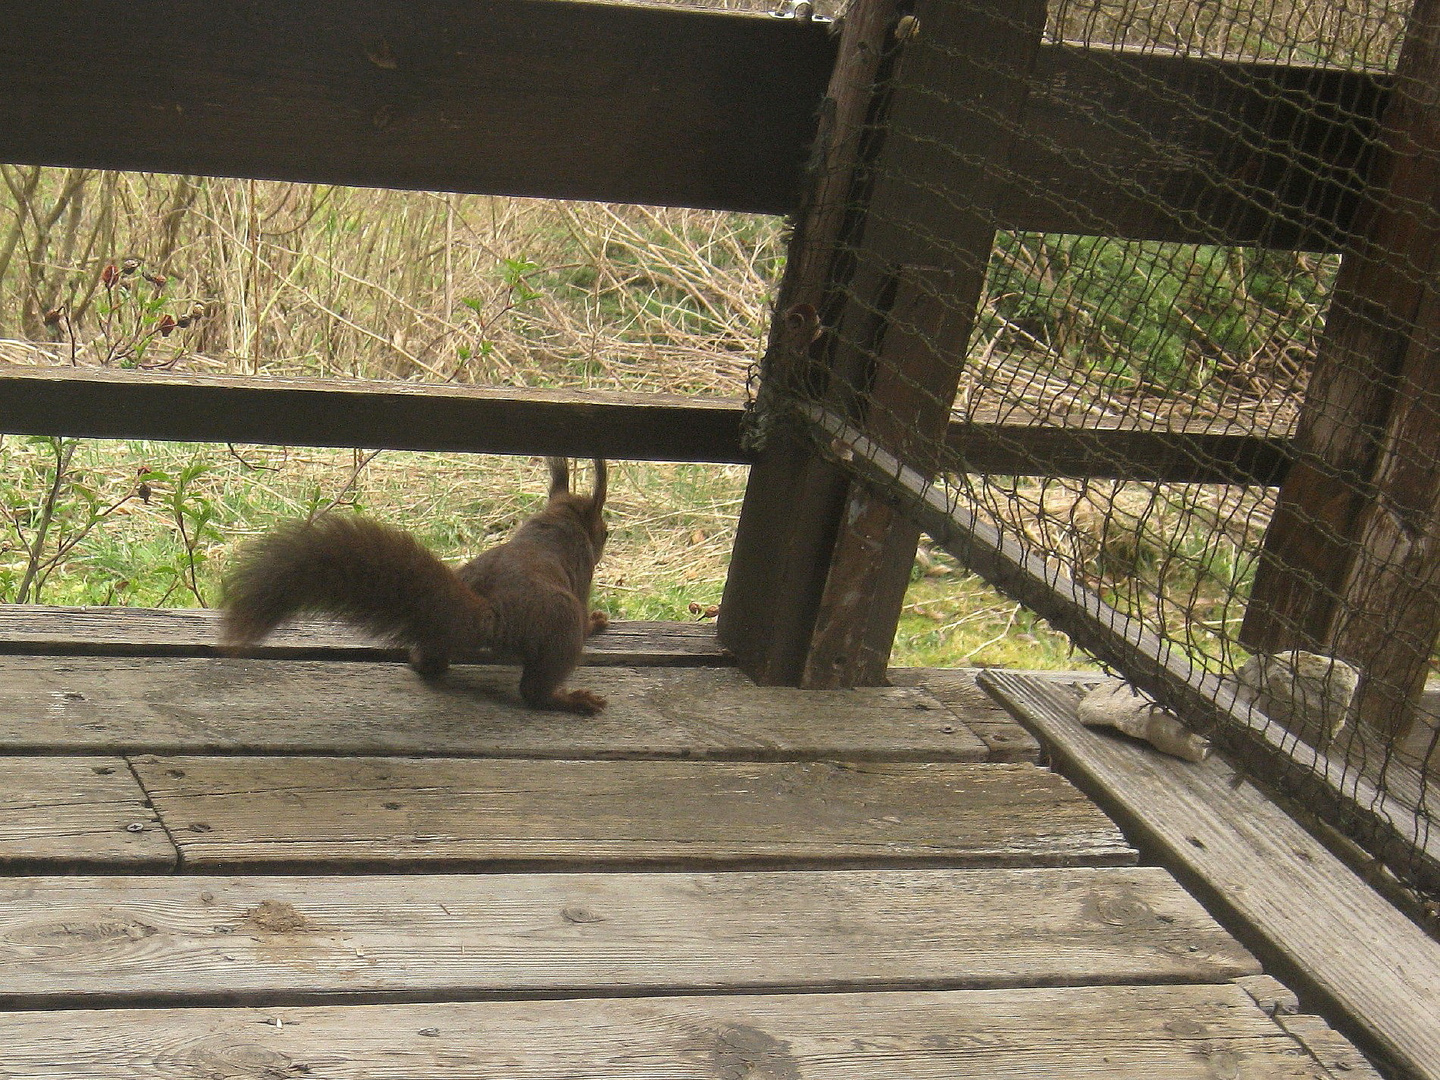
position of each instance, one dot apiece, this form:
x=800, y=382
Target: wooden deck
x=288, y=865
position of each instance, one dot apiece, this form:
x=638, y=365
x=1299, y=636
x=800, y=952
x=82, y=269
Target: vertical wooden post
x=794, y=498
x=1351, y=562
x=950, y=122
x=893, y=257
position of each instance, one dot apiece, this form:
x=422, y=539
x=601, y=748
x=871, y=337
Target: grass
x=671, y=531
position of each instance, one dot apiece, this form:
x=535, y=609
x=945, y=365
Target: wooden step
x=1114, y=1032
x=184, y=705
x=227, y=813
x=207, y=940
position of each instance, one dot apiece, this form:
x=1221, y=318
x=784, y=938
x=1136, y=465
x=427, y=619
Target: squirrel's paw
x=580, y=701
x=429, y=665
x=598, y=621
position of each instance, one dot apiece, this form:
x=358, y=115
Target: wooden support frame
x=1351, y=562
x=897, y=304
x=956, y=102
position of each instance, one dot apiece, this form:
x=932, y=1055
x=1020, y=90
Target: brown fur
x=527, y=598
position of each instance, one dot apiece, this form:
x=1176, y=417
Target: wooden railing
x=653, y=104
x=627, y=104
x=108, y=404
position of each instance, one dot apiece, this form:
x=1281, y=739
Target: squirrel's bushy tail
x=378, y=578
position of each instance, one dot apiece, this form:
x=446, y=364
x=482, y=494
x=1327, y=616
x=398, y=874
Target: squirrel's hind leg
x=429, y=662
x=551, y=652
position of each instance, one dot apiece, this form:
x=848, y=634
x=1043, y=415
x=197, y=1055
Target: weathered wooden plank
x=958, y=691
x=1351, y=560
x=182, y=705
x=1120, y=1032
x=1387, y=826
x=1176, y=454
x=1326, y=932
x=113, y=404
x=270, y=939
x=357, y=812
x=406, y=416
x=1148, y=145
x=73, y=813
x=622, y=103
x=122, y=631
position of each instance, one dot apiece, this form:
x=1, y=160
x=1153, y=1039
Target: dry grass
x=303, y=280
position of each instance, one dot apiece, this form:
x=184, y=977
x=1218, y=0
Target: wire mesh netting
x=1135, y=307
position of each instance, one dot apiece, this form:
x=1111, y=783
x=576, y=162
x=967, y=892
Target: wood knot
x=1123, y=909
x=225, y=1060
x=577, y=914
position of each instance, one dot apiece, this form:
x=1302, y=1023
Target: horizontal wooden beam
x=648, y=104
x=112, y=404
x=1194, y=453
x=1155, y=146
x=653, y=105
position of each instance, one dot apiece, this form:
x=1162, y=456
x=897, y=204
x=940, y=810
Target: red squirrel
x=526, y=598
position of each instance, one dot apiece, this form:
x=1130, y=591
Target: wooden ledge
x=123, y=631
x=112, y=404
